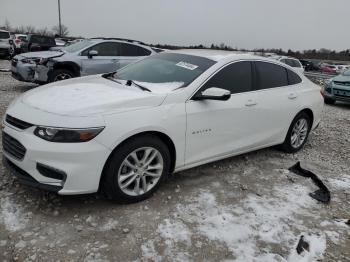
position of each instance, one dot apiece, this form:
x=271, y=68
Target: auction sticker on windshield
x=187, y=65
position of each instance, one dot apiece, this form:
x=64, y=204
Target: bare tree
x=43, y=31
x=29, y=29
x=7, y=25
x=64, y=29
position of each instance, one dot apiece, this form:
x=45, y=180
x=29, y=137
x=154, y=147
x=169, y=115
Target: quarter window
x=236, y=78
x=293, y=78
x=270, y=75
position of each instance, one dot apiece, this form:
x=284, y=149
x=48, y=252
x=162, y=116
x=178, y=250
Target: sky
x=249, y=24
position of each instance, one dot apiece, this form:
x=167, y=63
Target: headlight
x=43, y=61
x=64, y=135
x=329, y=82
x=28, y=61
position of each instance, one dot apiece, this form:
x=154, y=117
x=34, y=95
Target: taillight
x=322, y=92
x=17, y=41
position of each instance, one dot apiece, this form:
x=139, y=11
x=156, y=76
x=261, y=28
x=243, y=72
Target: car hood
x=41, y=54
x=341, y=78
x=89, y=95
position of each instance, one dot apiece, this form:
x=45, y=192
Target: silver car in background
x=5, y=38
x=87, y=57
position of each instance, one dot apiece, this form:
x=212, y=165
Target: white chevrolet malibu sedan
x=123, y=133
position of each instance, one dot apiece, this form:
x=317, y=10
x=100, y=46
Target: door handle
x=250, y=102
x=292, y=96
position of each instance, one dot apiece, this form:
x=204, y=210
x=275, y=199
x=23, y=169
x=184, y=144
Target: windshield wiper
x=130, y=82
x=111, y=76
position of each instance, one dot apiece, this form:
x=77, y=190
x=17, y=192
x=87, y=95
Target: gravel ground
x=245, y=208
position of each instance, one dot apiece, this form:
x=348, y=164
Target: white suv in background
x=292, y=62
x=4, y=43
x=123, y=133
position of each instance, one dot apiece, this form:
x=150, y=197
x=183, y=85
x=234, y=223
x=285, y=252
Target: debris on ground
x=322, y=194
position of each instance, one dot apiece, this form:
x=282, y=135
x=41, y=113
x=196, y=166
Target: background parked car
x=329, y=69
x=4, y=43
x=90, y=56
x=37, y=43
x=293, y=62
x=87, y=57
x=338, y=88
x=309, y=65
x=16, y=42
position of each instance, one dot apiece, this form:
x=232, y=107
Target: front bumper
x=337, y=93
x=42, y=74
x=23, y=71
x=4, y=51
x=80, y=163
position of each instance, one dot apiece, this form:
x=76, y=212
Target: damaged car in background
x=87, y=57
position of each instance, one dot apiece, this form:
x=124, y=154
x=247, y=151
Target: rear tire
x=297, y=134
x=329, y=101
x=136, y=169
x=61, y=74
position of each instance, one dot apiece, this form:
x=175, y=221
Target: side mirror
x=92, y=53
x=213, y=93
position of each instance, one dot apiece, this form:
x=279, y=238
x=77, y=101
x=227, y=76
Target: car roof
x=217, y=55
x=283, y=57
x=1, y=30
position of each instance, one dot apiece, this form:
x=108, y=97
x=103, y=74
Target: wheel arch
x=161, y=135
x=71, y=66
x=309, y=112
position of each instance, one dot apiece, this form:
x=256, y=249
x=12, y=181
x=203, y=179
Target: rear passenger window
x=133, y=50
x=236, y=77
x=270, y=75
x=293, y=78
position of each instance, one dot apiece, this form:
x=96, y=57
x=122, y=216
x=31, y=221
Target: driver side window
x=236, y=77
x=104, y=49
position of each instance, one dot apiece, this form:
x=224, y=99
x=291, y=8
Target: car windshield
x=347, y=72
x=166, y=69
x=77, y=46
x=4, y=35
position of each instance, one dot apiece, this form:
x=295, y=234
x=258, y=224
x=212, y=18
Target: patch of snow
x=149, y=252
x=241, y=227
x=175, y=231
x=11, y=215
x=111, y=224
x=342, y=182
x=333, y=236
x=317, y=246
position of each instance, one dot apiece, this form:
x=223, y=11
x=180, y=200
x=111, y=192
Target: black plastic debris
x=322, y=194
x=302, y=245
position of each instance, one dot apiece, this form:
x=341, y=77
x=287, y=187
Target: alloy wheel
x=299, y=132
x=62, y=76
x=140, y=171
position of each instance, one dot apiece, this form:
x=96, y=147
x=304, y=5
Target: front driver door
x=219, y=128
x=104, y=62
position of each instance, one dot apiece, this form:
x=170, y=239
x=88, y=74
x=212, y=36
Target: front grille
x=17, y=122
x=341, y=93
x=342, y=83
x=13, y=147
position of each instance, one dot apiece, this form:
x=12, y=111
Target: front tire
x=61, y=74
x=136, y=169
x=298, y=133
